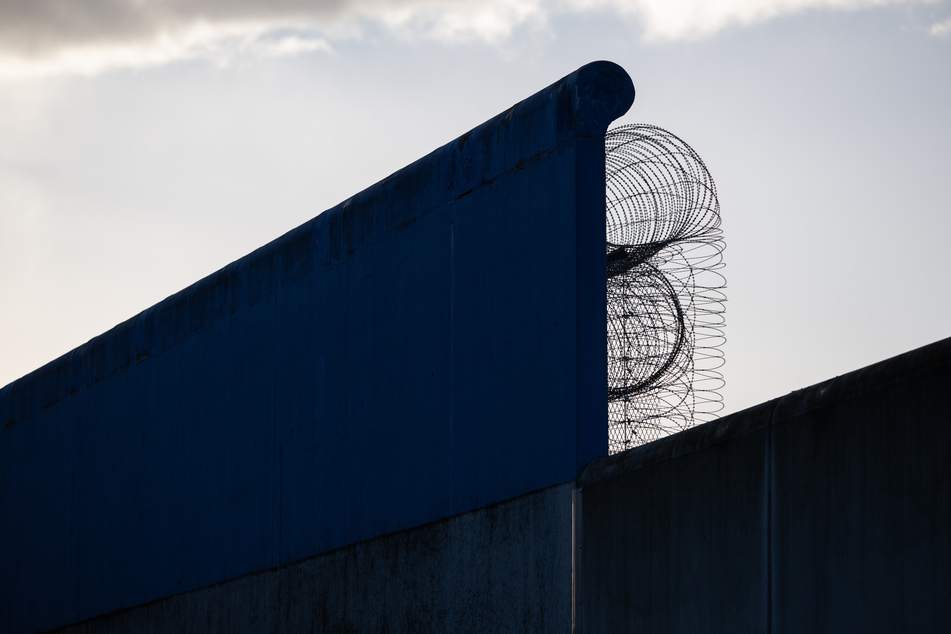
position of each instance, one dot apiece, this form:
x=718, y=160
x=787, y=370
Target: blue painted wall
x=432, y=345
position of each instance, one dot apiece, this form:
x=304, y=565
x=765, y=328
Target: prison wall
x=431, y=346
x=501, y=568
x=826, y=510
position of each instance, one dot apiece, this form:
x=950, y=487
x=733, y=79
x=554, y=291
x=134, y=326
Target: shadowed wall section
x=826, y=510
x=433, y=345
x=501, y=568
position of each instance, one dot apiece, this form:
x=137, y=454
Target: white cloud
x=695, y=19
x=289, y=45
x=941, y=29
x=94, y=36
x=490, y=21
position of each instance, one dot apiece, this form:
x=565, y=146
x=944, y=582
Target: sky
x=145, y=144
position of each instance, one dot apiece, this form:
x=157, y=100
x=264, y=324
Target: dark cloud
x=39, y=28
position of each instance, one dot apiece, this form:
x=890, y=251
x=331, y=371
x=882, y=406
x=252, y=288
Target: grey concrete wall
x=502, y=568
x=828, y=510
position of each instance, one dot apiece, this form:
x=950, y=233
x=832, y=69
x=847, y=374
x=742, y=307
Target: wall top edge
x=931, y=359
x=580, y=105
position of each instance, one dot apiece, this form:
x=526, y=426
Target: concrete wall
x=503, y=568
x=433, y=345
x=827, y=510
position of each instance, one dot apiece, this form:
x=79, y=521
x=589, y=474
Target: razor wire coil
x=665, y=296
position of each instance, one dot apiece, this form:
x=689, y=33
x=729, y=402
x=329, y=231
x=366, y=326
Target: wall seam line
x=770, y=485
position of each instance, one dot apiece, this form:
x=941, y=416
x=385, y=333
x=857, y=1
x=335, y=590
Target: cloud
x=288, y=46
x=490, y=21
x=39, y=37
x=87, y=38
x=673, y=20
x=941, y=29
x=94, y=36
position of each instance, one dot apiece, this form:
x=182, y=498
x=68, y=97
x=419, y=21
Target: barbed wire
x=664, y=287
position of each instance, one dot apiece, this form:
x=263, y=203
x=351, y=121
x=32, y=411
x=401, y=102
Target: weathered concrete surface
x=827, y=510
x=503, y=568
x=676, y=543
x=861, y=500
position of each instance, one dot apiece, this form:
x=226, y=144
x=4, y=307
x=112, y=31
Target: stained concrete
x=502, y=568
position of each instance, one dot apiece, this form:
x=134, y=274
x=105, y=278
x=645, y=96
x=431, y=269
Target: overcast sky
x=145, y=144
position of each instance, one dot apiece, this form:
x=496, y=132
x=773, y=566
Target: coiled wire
x=664, y=287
